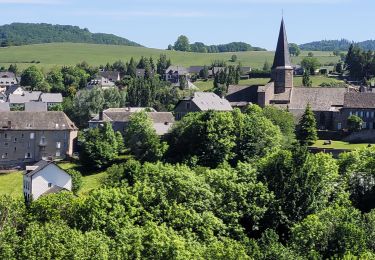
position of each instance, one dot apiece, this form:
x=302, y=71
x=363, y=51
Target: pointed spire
x=282, y=57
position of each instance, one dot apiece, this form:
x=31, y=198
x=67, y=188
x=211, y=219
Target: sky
x=157, y=23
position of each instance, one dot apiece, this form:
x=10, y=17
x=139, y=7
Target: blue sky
x=156, y=23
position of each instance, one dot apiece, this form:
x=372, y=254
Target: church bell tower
x=282, y=69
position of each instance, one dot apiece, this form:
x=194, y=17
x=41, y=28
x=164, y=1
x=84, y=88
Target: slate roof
x=35, y=107
x=210, y=101
x=22, y=120
x=196, y=69
x=51, y=98
x=177, y=69
x=238, y=94
x=4, y=107
x=359, y=100
x=53, y=189
x=7, y=74
x=282, y=56
x=111, y=75
x=26, y=97
x=38, y=167
x=320, y=99
x=12, y=89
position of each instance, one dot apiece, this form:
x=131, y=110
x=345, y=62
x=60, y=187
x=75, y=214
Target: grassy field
x=59, y=54
x=339, y=145
x=11, y=183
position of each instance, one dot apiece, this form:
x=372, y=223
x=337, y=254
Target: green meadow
x=60, y=54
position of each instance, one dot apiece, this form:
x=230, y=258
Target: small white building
x=44, y=178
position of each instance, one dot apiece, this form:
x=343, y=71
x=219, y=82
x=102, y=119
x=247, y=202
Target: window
x=22, y=135
x=350, y=113
x=364, y=125
x=49, y=185
x=15, y=140
x=367, y=114
x=361, y=113
x=58, y=145
x=5, y=135
x=15, y=149
x=27, y=155
x=339, y=126
x=6, y=144
x=58, y=154
x=32, y=136
x=188, y=105
x=4, y=155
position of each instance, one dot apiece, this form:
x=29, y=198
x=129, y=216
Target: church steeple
x=282, y=70
x=282, y=56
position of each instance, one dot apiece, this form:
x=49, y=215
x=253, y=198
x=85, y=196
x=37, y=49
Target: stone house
x=201, y=101
x=28, y=137
x=44, y=178
x=120, y=117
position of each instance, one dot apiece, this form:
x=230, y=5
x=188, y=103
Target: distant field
x=59, y=54
x=339, y=145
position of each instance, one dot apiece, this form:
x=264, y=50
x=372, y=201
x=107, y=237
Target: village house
x=19, y=98
x=101, y=82
x=51, y=99
x=44, y=178
x=201, y=101
x=8, y=79
x=174, y=73
x=27, y=137
x=120, y=117
x=111, y=75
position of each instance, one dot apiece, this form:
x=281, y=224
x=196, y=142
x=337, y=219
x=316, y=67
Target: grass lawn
x=11, y=184
x=59, y=54
x=339, y=145
x=316, y=81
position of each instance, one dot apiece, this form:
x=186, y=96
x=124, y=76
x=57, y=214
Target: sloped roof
x=38, y=167
x=210, y=101
x=4, y=107
x=7, y=74
x=22, y=120
x=359, y=100
x=282, y=56
x=53, y=189
x=320, y=99
x=26, y=97
x=35, y=106
x=51, y=98
x=111, y=75
x=196, y=69
x=246, y=94
x=12, y=89
x=177, y=69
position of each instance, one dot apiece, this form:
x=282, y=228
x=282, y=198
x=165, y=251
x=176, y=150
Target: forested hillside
x=30, y=33
x=336, y=45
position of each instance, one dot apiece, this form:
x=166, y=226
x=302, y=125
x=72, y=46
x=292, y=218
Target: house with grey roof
x=51, y=99
x=14, y=89
x=28, y=137
x=174, y=73
x=43, y=178
x=100, y=82
x=17, y=102
x=201, y=101
x=111, y=75
x=120, y=117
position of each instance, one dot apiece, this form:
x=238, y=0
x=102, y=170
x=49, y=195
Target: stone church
x=332, y=106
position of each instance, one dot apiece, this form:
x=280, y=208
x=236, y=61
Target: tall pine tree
x=306, y=131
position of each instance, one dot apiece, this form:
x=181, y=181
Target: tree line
x=30, y=33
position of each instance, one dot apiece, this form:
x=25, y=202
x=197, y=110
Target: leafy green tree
x=294, y=49
x=43, y=86
x=339, y=67
x=182, y=44
x=311, y=64
x=13, y=68
x=306, y=131
x=162, y=64
x=142, y=140
x=266, y=66
x=310, y=54
x=233, y=58
x=203, y=74
x=56, y=80
x=306, y=80
x=32, y=76
x=354, y=123
x=99, y=146
x=131, y=68
x=207, y=137
x=76, y=180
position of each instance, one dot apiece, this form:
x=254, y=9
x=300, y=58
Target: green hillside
x=17, y=34
x=59, y=54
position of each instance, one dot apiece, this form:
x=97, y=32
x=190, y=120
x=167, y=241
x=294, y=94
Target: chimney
x=9, y=124
x=101, y=116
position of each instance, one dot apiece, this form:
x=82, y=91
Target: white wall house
x=44, y=178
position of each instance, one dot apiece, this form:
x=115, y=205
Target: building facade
x=27, y=137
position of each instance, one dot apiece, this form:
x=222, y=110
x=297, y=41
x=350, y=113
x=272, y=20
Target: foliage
x=32, y=77
x=360, y=63
x=229, y=47
x=354, y=123
x=142, y=140
x=311, y=64
x=306, y=131
x=99, y=146
x=76, y=180
x=182, y=44
x=234, y=58
x=29, y=33
x=294, y=49
x=306, y=80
